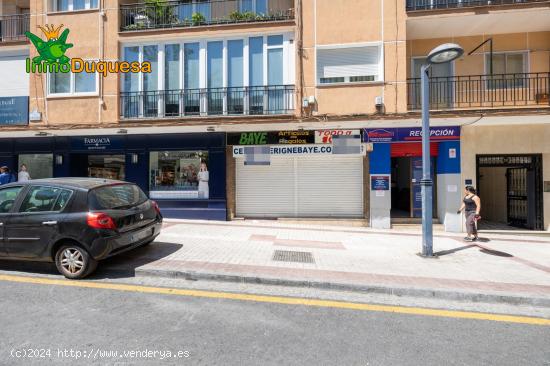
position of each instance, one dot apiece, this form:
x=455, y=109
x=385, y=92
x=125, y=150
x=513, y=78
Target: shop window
x=69, y=83
x=37, y=166
x=350, y=64
x=179, y=174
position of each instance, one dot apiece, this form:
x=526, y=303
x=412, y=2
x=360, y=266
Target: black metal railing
x=189, y=13
x=13, y=27
x=253, y=100
x=453, y=4
x=483, y=91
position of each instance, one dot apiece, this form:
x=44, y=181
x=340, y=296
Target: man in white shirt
x=23, y=175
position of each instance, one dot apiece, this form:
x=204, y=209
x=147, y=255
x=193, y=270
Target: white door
x=301, y=187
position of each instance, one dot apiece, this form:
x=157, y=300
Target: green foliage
x=198, y=18
x=159, y=12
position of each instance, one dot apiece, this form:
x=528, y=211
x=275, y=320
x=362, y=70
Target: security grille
x=292, y=256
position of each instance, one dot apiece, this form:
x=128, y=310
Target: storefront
x=184, y=173
x=297, y=174
x=396, y=171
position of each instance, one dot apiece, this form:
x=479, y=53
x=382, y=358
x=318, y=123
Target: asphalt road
x=60, y=323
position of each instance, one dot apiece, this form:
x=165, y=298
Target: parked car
x=74, y=222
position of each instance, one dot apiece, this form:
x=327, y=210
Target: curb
x=374, y=288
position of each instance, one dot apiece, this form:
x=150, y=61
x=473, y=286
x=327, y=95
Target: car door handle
x=49, y=223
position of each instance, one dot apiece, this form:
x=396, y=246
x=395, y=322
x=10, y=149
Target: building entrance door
x=406, y=192
x=106, y=166
x=510, y=187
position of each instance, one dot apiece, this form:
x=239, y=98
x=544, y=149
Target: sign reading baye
x=271, y=138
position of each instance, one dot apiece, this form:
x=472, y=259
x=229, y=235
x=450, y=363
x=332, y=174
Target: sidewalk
x=502, y=268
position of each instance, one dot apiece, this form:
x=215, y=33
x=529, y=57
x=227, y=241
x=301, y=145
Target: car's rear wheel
x=74, y=262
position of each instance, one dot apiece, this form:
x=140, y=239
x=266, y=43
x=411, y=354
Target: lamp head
x=445, y=53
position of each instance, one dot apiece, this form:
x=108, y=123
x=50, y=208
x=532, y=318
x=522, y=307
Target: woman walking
x=471, y=204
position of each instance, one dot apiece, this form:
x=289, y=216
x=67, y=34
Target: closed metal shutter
x=15, y=80
x=301, y=187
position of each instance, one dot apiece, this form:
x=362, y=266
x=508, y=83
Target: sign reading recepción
x=14, y=110
x=410, y=134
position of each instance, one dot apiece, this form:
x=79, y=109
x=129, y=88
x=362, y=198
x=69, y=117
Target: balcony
x=13, y=27
x=483, y=91
x=415, y=5
x=241, y=101
x=187, y=13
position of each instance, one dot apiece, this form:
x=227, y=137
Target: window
x=72, y=83
x=45, y=199
x=349, y=64
x=177, y=174
x=253, y=6
x=69, y=5
x=38, y=165
x=186, y=9
x=7, y=198
x=256, y=61
x=508, y=69
x=172, y=79
x=150, y=82
x=117, y=196
x=215, y=77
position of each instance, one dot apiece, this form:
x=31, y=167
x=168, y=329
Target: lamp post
x=441, y=54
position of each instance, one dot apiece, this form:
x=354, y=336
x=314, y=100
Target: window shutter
x=346, y=62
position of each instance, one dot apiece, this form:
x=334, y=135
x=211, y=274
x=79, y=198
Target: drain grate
x=292, y=256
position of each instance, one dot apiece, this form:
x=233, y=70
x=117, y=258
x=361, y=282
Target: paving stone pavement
x=515, y=266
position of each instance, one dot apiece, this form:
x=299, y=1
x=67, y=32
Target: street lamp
x=441, y=54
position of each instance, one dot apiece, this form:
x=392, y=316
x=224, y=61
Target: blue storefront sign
x=97, y=143
x=410, y=134
x=14, y=110
x=380, y=182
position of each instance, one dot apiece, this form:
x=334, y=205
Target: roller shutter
x=15, y=80
x=301, y=187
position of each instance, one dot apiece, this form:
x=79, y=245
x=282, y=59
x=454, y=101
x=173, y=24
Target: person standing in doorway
x=23, y=175
x=203, y=178
x=471, y=204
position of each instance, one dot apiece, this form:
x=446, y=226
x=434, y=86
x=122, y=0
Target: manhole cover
x=292, y=256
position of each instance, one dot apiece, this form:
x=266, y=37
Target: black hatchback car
x=74, y=222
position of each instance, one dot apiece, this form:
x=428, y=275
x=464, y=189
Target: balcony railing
x=187, y=13
x=13, y=27
x=254, y=100
x=483, y=91
x=453, y=4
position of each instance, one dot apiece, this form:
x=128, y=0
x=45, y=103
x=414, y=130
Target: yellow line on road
x=280, y=300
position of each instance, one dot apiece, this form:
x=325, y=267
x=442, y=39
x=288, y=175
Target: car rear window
x=114, y=197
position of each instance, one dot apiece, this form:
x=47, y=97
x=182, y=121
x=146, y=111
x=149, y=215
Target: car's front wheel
x=74, y=262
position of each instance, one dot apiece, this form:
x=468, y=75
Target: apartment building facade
x=296, y=108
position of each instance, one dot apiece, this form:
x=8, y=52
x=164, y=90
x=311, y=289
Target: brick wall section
x=366, y=190
x=230, y=186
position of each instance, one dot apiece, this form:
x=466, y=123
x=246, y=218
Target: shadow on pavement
x=454, y=250
x=123, y=265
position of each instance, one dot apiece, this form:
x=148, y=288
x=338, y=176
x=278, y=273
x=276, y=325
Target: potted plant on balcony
x=198, y=18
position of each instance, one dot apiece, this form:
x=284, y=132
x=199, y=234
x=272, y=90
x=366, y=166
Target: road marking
x=280, y=300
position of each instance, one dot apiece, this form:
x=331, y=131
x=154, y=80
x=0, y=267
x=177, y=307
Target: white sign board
x=293, y=150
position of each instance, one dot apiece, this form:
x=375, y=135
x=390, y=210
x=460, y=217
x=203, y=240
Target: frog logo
x=53, y=50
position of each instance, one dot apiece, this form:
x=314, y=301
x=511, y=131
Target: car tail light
x=156, y=206
x=100, y=220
